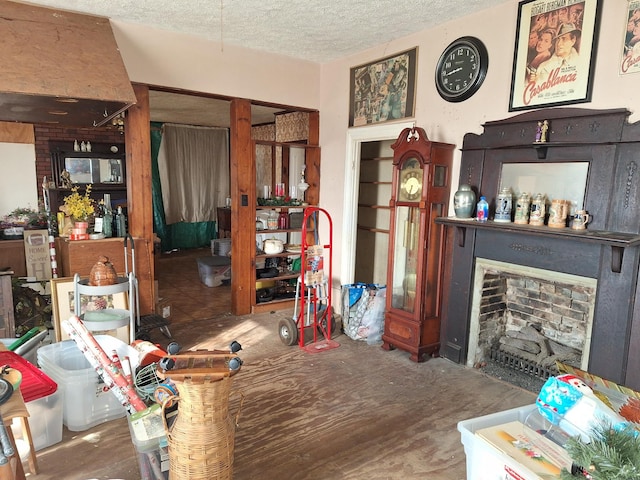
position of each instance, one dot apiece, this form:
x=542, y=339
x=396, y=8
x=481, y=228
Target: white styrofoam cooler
x=87, y=400
x=485, y=462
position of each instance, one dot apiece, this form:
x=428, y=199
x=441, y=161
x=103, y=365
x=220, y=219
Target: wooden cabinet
x=79, y=256
x=224, y=222
x=103, y=168
x=7, y=321
x=420, y=194
x=12, y=256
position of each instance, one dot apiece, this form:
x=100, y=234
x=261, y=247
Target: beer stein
x=522, y=209
x=558, y=213
x=580, y=220
x=538, y=210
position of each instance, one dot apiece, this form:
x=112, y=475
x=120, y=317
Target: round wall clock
x=461, y=69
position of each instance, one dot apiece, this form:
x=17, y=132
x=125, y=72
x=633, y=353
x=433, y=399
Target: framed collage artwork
x=383, y=90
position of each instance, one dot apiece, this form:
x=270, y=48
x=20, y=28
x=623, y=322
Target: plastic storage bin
x=214, y=270
x=45, y=420
x=42, y=398
x=484, y=461
x=87, y=399
x=148, y=436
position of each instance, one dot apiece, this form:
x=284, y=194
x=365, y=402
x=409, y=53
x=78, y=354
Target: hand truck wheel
x=288, y=331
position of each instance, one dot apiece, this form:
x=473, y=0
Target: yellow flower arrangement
x=79, y=207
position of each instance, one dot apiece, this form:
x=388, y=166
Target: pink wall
x=163, y=58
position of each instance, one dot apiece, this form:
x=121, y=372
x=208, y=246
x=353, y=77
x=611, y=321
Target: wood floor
x=354, y=412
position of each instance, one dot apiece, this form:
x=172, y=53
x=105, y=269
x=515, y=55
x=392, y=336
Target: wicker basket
x=201, y=440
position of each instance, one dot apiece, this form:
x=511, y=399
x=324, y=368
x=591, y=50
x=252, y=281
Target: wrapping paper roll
x=113, y=376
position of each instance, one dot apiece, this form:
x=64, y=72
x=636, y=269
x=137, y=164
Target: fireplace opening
x=524, y=320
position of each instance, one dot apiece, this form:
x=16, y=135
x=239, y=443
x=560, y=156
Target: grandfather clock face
x=410, y=181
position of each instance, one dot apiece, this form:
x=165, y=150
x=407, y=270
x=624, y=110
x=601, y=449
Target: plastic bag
x=363, y=311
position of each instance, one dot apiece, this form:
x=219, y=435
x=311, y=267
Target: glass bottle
x=283, y=220
x=121, y=224
x=107, y=221
x=482, y=210
x=272, y=220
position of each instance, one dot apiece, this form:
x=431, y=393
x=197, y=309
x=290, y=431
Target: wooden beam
x=243, y=204
x=12, y=132
x=139, y=194
x=312, y=173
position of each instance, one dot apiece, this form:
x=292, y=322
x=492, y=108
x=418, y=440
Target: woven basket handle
x=235, y=420
x=168, y=401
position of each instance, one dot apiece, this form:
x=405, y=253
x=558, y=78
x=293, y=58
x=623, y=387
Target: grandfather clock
x=420, y=194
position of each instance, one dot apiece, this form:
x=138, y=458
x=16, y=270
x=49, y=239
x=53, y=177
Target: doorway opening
x=361, y=142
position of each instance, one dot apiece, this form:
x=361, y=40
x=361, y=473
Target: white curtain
x=193, y=163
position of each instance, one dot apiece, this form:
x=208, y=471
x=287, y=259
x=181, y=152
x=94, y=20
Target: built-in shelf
x=541, y=148
x=618, y=241
x=374, y=230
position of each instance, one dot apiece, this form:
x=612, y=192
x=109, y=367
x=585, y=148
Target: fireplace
x=599, y=265
x=527, y=319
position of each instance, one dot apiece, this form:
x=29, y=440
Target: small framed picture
x=63, y=303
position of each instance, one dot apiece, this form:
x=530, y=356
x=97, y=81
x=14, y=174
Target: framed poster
x=383, y=90
x=555, y=53
x=630, y=62
x=63, y=303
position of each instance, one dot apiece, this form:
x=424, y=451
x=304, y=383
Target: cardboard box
x=539, y=456
x=163, y=308
x=622, y=400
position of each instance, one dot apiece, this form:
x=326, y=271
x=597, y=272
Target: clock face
x=461, y=69
x=410, y=181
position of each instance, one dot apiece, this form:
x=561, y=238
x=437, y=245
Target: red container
x=35, y=383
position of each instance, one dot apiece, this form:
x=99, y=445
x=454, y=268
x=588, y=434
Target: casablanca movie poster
x=630, y=62
x=554, y=54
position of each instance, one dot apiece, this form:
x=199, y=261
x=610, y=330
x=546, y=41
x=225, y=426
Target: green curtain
x=178, y=235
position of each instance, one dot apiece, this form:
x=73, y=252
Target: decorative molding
x=632, y=168
x=538, y=250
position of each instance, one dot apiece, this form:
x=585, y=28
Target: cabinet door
x=7, y=321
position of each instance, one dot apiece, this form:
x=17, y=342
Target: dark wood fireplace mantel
x=618, y=241
x=609, y=250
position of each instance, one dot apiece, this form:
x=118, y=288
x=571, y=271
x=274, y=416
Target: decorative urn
x=464, y=201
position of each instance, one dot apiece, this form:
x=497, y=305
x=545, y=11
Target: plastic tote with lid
x=87, y=399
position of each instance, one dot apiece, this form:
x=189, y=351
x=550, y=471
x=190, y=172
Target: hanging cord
x=221, y=27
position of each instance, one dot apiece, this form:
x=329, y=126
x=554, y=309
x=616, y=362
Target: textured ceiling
x=315, y=30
